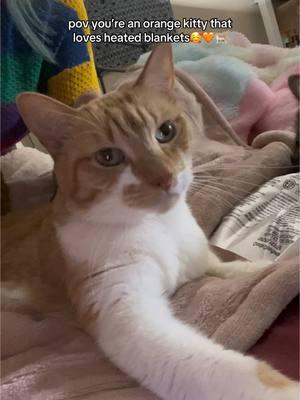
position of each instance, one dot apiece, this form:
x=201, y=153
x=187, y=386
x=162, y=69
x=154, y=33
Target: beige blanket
x=52, y=358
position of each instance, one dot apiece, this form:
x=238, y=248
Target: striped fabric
x=22, y=69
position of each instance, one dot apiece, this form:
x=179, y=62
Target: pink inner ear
x=49, y=119
x=86, y=98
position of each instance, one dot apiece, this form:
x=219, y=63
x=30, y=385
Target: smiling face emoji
x=195, y=37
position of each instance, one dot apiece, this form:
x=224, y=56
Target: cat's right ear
x=158, y=73
x=49, y=119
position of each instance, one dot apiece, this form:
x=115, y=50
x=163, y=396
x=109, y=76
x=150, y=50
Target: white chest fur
x=173, y=240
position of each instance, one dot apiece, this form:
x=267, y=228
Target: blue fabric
x=22, y=68
x=66, y=56
x=11, y=39
x=56, y=17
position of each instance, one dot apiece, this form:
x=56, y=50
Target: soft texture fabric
x=280, y=343
x=51, y=358
x=22, y=69
x=249, y=84
x=28, y=175
x=233, y=304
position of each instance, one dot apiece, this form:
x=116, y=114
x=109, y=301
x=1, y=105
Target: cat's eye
x=166, y=132
x=110, y=157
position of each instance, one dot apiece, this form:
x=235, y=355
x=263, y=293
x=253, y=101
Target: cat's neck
x=113, y=213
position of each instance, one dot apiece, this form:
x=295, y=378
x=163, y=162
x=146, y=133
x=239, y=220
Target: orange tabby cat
x=119, y=238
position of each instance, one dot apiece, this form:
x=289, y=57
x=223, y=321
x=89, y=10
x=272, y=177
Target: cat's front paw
x=256, y=266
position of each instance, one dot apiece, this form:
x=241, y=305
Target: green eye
x=110, y=157
x=166, y=132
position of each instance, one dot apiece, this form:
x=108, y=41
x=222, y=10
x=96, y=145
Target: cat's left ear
x=49, y=119
x=158, y=73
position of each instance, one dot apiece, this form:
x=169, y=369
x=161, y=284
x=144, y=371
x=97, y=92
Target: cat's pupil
x=166, y=132
x=110, y=157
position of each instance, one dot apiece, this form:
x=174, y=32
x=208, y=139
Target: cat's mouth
x=159, y=195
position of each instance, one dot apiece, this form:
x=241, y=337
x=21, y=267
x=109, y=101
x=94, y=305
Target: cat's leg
x=205, y=261
x=230, y=269
x=131, y=321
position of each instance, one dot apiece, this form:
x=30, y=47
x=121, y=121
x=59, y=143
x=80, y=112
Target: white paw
x=258, y=265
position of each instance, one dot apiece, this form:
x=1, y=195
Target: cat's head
x=130, y=147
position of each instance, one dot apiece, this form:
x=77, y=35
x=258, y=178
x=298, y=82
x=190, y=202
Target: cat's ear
x=158, y=73
x=47, y=118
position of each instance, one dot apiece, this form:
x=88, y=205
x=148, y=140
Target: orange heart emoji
x=208, y=36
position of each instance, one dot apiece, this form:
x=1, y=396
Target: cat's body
x=120, y=239
x=32, y=263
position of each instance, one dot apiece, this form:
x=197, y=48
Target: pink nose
x=164, y=183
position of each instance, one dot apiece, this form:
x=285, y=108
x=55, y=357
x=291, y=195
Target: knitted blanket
x=23, y=69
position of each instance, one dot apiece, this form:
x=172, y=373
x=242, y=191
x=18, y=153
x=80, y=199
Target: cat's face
x=133, y=145
x=130, y=146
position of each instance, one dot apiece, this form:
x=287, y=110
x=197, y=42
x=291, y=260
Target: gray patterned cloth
x=112, y=55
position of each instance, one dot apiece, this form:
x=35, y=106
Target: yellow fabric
x=79, y=6
x=69, y=84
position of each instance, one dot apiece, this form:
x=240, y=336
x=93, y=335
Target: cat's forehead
x=125, y=118
x=133, y=107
